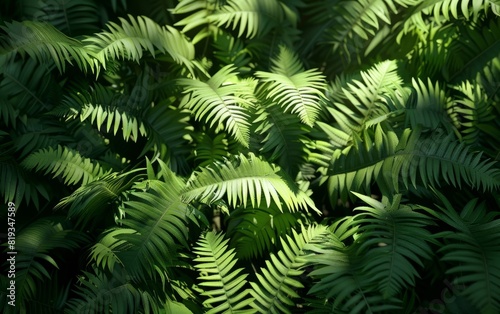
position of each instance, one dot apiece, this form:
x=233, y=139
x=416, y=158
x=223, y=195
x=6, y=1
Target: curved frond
x=210, y=149
x=253, y=18
x=89, y=202
x=246, y=180
x=277, y=283
x=132, y=37
x=64, y=162
x=221, y=102
x=295, y=90
x=42, y=41
x=221, y=283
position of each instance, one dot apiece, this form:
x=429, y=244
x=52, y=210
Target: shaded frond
x=246, y=180
x=295, y=90
x=219, y=101
x=277, y=283
x=42, y=41
x=64, y=162
x=472, y=252
x=360, y=102
x=210, y=149
x=102, y=293
x=392, y=239
x=255, y=231
x=36, y=244
x=89, y=202
x=132, y=37
x=223, y=286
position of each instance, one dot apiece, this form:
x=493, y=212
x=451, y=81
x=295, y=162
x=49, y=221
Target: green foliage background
x=250, y=156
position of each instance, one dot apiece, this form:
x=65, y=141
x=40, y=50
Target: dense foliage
x=251, y=156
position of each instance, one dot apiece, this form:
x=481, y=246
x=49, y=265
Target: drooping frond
x=104, y=252
x=89, y=202
x=254, y=231
x=42, y=42
x=471, y=252
x=277, y=283
x=254, y=18
x=210, y=149
x=412, y=158
x=295, y=90
x=220, y=101
x=392, y=239
x=198, y=13
x=246, y=180
x=223, y=286
x=168, y=133
x=64, y=162
x=130, y=39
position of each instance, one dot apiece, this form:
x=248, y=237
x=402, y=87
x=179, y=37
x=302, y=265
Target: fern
x=249, y=181
x=277, y=283
x=220, y=102
x=64, y=162
x=41, y=42
x=254, y=231
x=295, y=90
x=472, y=252
x=222, y=285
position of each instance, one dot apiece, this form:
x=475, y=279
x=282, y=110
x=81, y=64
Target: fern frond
x=72, y=17
x=255, y=231
x=472, y=252
x=104, y=252
x=253, y=18
x=392, y=237
x=64, y=162
x=158, y=218
x=132, y=37
x=393, y=161
x=42, y=41
x=222, y=285
x=277, y=283
x=221, y=102
x=284, y=137
x=295, y=90
x=88, y=202
x=246, y=180
x=29, y=86
x=169, y=134
x=101, y=293
x=210, y=149
x=429, y=108
x=376, y=96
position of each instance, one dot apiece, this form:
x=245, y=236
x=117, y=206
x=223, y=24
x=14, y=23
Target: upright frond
x=223, y=286
x=295, y=90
